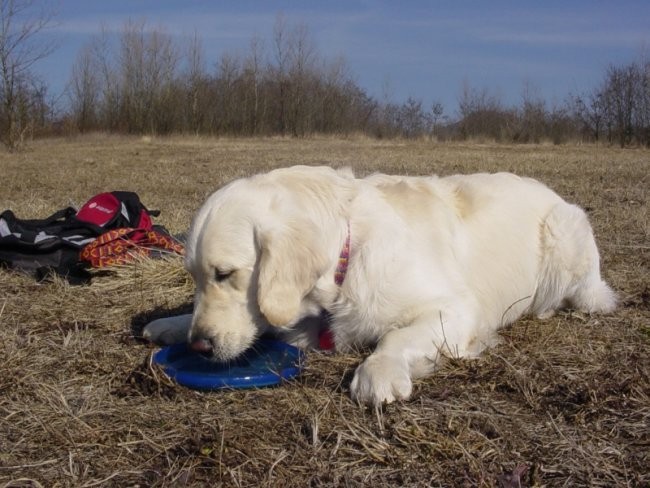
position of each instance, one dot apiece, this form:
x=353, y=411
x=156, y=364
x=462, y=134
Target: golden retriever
x=431, y=266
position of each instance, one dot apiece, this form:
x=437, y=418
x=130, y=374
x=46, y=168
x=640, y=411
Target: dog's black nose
x=203, y=346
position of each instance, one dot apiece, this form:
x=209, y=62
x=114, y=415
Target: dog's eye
x=220, y=275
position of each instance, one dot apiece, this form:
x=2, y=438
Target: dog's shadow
x=139, y=321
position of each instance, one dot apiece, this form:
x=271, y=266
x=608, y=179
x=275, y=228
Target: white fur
x=436, y=266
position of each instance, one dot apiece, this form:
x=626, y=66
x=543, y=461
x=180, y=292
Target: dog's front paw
x=168, y=330
x=381, y=379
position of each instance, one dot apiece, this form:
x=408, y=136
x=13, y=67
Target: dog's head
x=256, y=249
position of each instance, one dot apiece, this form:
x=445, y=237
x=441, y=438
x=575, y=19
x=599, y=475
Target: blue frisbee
x=267, y=363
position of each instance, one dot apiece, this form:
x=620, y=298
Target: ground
x=561, y=402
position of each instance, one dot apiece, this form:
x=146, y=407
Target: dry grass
x=559, y=403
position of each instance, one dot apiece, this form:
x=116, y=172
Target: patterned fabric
x=121, y=246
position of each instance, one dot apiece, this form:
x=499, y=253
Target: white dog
x=435, y=266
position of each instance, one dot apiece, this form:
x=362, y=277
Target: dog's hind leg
x=168, y=330
x=570, y=268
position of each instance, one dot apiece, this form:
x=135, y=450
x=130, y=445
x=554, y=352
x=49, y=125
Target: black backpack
x=42, y=246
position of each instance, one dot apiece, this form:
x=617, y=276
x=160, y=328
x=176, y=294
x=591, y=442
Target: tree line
x=147, y=84
x=618, y=110
x=144, y=81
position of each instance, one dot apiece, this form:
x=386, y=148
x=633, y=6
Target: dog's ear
x=297, y=235
x=292, y=259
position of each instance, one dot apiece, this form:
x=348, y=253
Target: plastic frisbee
x=266, y=363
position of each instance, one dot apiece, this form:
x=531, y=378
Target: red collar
x=344, y=257
x=325, y=336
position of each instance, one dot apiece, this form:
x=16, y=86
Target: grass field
x=563, y=402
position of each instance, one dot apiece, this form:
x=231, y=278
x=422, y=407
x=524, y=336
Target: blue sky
x=422, y=49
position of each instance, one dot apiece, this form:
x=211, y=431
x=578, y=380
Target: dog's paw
x=168, y=330
x=381, y=379
x=548, y=314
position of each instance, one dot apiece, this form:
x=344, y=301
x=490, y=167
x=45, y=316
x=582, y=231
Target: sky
x=394, y=49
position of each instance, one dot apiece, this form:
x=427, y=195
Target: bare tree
x=253, y=80
x=337, y=98
x=105, y=65
x=532, y=116
x=589, y=110
x=619, y=108
x=412, y=119
x=280, y=72
x=228, y=89
x=148, y=63
x=196, y=85
x=642, y=115
x=85, y=90
x=302, y=71
x=483, y=115
x=20, y=49
x=621, y=100
x=437, y=113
